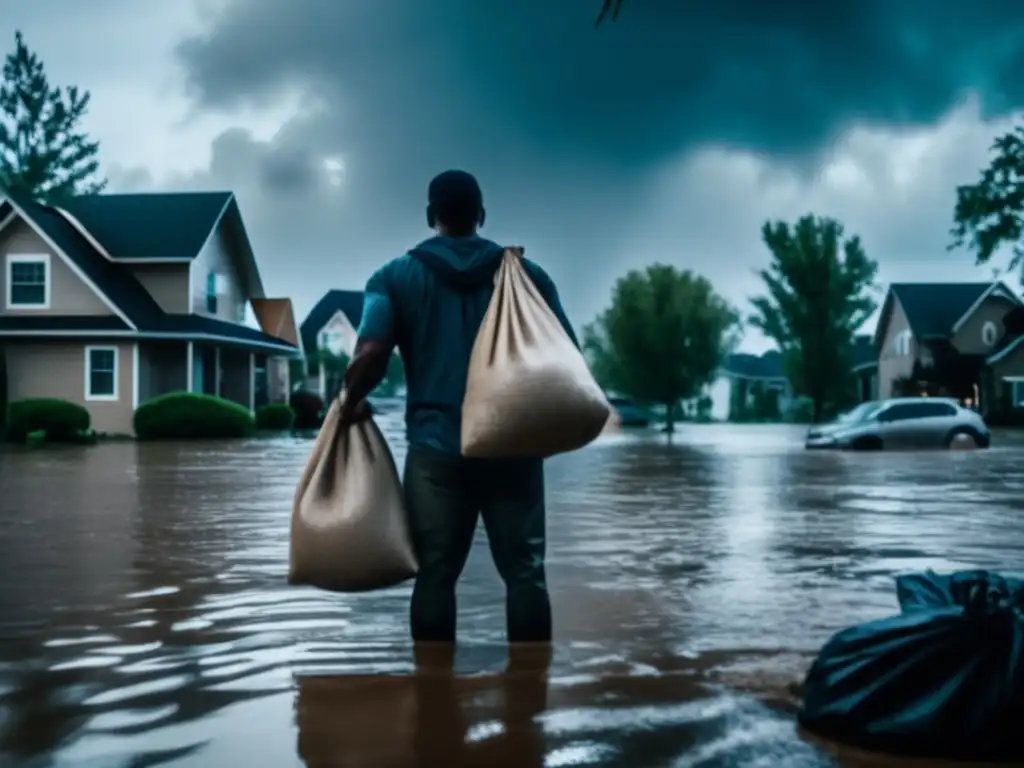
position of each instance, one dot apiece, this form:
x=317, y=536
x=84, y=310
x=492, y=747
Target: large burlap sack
x=529, y=391
x=349, y=528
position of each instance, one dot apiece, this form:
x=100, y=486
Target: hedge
x=62, y=421
x=308, y=408
x=276, y=416
x=186, y=415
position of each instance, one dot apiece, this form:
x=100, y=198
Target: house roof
x=135, y=309
x=349, y=303
x=932, y=309
x=163, y=226
x=766, y=366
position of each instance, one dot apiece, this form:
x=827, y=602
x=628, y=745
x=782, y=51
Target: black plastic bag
x=944, y=679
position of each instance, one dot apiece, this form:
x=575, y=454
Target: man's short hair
x=456, y=201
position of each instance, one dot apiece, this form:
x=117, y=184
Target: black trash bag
x=929, y=590
x=944, y=679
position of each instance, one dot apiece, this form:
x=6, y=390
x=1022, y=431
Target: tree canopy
x=663, y=338
x=44, y=154
x=989, y=214
x=817, y=295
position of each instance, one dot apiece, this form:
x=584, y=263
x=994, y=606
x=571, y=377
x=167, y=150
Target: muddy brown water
x=145, y=619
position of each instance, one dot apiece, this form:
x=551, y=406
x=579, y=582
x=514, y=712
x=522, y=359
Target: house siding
x=893, y=366
x=968, y=340
x=57, y=369
x=216, y=256
x=69, y=294
x=168, y=284
x=346, y=338
x=1010, y=366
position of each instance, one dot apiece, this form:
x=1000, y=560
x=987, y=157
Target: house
x=751, y=378
x=115, y=299
x=948, y=338
x=330, y=330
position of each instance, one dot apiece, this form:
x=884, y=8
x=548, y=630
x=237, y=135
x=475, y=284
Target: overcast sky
x=668, y=136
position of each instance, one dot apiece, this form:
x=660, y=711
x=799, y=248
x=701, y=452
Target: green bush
x=63, y=422
x=276, y=416
x=184, y=415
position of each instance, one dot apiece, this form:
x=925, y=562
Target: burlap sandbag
x=529, y=391
x=349, y=528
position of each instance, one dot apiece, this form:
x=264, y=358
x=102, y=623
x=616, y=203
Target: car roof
x=906, y=400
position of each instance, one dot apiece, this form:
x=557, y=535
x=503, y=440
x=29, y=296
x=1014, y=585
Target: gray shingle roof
x=933, y=309
x=159, y=226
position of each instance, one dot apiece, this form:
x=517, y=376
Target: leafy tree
x=990, y=213
x=43, y=153
x=662, y=339
x=817, y=297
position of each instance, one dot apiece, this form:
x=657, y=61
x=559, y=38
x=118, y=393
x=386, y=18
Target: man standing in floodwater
x=431, y=303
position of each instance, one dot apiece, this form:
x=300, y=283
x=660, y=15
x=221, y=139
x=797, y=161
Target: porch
x=240, y=375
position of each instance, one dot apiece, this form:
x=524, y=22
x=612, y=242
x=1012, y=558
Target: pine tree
x=43, y=153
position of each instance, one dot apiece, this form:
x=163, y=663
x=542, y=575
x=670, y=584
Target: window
x=1017, y=393
x=28, y=281
x=907, y=411
x=989, y=333
x=901, y=344
x=211, y=293
x=101, y=373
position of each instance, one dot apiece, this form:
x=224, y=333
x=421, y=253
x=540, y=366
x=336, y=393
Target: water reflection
x=144, y=615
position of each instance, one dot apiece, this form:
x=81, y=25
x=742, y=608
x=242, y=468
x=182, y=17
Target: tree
x=990, y=213
x=43, y=154
x=817, y=297
x=662, y=339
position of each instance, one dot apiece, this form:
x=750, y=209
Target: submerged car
x=629, y=413
x=902, y=423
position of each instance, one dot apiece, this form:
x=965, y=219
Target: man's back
x=438, y=295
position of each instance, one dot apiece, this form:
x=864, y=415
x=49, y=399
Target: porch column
x=252, y=381
x=216, y=371
x=190, y=383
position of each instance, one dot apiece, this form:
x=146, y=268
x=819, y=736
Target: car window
x=906, y=411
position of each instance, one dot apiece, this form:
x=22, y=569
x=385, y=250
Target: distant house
x=949, y=338
x=751, y=376
x=115, y=299
x=330, y=327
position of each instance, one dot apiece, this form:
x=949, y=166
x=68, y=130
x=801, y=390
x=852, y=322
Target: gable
x=69, y=292
x=349, y=303
x=151, y=226
x=933, y=309
x=982, y=328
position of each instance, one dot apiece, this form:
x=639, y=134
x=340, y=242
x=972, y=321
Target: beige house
x=115, y=299
x=331, y=327
x=955, y=328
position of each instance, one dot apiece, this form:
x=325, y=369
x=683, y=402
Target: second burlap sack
x=349, y=529
x=529, y=392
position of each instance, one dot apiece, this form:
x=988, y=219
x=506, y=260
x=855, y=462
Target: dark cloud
x=564, y=124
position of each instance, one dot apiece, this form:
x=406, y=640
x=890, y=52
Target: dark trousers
x=444, y=496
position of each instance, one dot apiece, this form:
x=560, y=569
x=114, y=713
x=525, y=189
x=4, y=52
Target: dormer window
x=211, y=293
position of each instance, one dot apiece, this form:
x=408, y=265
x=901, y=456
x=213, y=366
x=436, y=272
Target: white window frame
x=902, y=343
x=102, y=398
x=29, y=258
x=989, y=330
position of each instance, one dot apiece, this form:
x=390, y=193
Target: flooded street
x=145, y=619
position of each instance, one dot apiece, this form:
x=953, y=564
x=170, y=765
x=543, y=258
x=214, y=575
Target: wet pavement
x=145, y=619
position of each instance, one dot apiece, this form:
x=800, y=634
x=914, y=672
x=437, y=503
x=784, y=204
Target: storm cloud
x=668, y=135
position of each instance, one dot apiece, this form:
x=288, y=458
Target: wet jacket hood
x=463, y=262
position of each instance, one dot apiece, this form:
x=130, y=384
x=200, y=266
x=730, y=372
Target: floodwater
x=145, y=619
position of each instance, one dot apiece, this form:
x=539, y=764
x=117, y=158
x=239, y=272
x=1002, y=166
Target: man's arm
x=547, y=289
x=375, y=344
